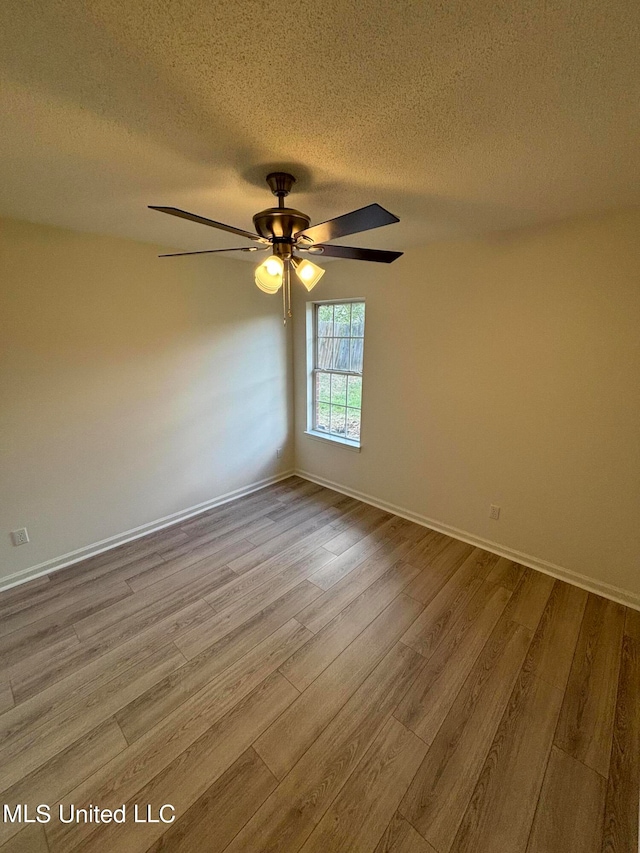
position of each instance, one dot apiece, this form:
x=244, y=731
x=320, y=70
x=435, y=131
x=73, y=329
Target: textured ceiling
x=460, y=117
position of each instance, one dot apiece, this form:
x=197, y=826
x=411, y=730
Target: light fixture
x=269, y=274
x=308, y=273
x=275, y=273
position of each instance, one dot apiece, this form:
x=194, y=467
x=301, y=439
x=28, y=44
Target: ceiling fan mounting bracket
x=280, y=183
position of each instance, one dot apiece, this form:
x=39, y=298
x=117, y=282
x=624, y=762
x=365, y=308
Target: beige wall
x=505, y=371
x=131, y=388
x=497, y=371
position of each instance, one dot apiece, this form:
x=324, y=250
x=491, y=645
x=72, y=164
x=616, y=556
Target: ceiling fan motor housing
x=280, y=223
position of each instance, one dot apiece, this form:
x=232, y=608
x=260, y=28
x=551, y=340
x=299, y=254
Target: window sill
x=348, y=443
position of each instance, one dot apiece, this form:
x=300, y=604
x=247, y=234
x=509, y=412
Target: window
x=338, y=340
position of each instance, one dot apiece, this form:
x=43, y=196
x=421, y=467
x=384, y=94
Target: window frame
x=313, y=370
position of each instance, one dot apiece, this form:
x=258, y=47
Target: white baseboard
x=135, y=533
x=622, y=596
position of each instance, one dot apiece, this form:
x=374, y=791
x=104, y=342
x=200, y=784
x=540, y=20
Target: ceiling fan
x=288, y=233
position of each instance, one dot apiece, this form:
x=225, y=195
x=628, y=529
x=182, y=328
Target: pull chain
x=286, y=292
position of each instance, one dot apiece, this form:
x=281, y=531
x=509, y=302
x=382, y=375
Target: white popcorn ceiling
x=462, y=117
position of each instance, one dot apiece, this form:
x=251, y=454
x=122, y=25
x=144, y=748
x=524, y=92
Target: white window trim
x=348, y=443
x=310, y=332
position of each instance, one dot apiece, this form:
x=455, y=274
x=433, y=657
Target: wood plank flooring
x=298, y=671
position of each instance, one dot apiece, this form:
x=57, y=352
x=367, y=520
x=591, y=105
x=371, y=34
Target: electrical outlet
x=494, y=512
x=20, y=537
x=279, y=453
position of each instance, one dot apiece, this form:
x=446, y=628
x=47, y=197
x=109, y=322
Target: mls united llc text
x=23, y=813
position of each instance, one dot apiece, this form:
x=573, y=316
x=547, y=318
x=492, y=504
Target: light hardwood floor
x=297, y=671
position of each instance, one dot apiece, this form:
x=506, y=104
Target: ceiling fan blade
x=202, y=220
x=372, y=216
x=377, y=255
x=213, y=251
